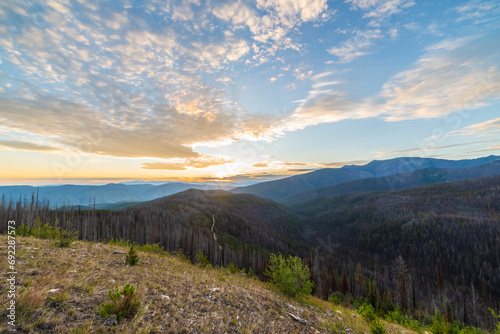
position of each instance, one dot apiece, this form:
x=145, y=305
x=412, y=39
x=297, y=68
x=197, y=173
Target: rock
x=330, y=313
x=299, y=319
x=296, y=308
x=165, y=297
x=347, y=330
x=212, y=299
x=112, y=321
x=53, y=290
x=214, y=289
x=118, y=252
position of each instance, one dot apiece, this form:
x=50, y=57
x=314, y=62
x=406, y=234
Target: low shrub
x=289, y=275
x=377, y=327
x=123, y=304
x=368, y=312
x=202, y=260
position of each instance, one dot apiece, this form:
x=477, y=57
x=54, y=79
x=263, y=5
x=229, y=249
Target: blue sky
x=231, y=90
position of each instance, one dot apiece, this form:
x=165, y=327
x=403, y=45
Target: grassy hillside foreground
x=59, y=290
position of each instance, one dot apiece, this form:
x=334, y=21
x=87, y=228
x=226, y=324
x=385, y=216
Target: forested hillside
x=428, y=246
x=241, y=229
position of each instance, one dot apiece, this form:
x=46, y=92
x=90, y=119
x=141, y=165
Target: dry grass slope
x=59, y=291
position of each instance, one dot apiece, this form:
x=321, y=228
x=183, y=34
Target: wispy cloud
x=325, y=83
x=28, y=146
x=488, y=128
x=377, y=13
x=338, y=164
x=422, y=151
x=202, y=161
x=478, y=11
x=260, y=165
x=451, y=76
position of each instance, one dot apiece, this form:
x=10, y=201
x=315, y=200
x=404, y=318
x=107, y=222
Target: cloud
x=280, y=17
x=326, y=83
x=260, y=164
x=488, y=128
x=27, y=146
x=183, y=12
x=118, y=21
x=150, y=88
x=378, y=12
x=202, y=161
x=356, y=46
x=494, y=148
x=393, y=32
x=321, y=75
x=325, y=106
x=480, y=11
x=166, y=133
x=430, y=147
x=451, y=76
x=293, y=163
x=342, y=163
x=291, y=10
x=215, y=54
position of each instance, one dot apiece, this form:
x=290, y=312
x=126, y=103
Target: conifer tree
x=344, y=284
x=132, y=258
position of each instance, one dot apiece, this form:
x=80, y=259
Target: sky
x=109, y=91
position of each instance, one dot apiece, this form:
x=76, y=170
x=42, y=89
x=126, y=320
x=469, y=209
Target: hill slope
x=62, y=289
x=280, y=189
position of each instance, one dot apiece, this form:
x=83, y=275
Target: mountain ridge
x=280, y=189
x=416, y=178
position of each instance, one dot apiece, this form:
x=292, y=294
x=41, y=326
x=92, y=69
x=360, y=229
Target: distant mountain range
x=415, y=178
x=279, y=190
x=378, y=175
x=106, y=196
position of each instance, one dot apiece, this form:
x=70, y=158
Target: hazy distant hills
x=415, y=178
x=104, y=195
x=283, y=188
